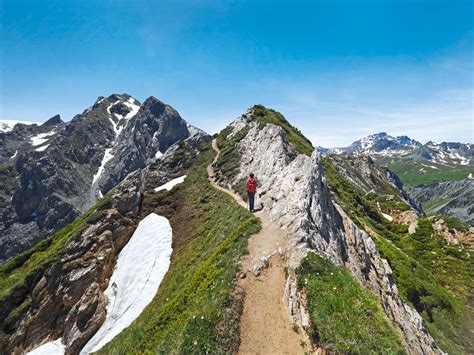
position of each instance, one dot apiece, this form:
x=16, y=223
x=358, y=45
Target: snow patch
x=54, y=347
x=105, y=159
x=470, y=176
x=41, y=138
x=170, y=184
x=14, y=155
x=430, y=166
x=130, y=103
x=141, y=266
x=133, y=107
x=387, y=217
x=158, y=154
x=42, y=148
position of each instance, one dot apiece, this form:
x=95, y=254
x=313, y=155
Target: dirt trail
x=265, y=326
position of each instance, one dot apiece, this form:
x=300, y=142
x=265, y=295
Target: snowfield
x=170, y=184
x=54, y=347
x=140, y=268
x=42, y=148
x=41, y=138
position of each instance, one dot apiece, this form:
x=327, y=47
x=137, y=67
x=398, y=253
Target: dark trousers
x=251, y=198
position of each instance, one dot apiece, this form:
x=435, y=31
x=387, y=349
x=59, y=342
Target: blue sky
x=338, y=70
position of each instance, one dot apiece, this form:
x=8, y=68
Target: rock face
x=54, y=172
x=452, y=198
x=28, y=138
x=295, y=195
x=66, y=300
x=148, y=134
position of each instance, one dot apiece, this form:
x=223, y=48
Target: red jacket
x=251, y=185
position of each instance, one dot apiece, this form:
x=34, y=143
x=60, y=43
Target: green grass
x=345, y=317
x=430, y=205
x=410, y=174
x=228, y=164
x=197, y=308
x=18, y=275
x=432, y=276
x=301, y=144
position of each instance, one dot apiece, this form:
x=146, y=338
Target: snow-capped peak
x=121, y=109
x=380, y=144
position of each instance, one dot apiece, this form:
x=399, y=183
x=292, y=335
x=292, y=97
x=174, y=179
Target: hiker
x=251, y=190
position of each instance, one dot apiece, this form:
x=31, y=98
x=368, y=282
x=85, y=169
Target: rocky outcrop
x=367, y=266
x=28, y=138
x=452, y=235
x=296, y=196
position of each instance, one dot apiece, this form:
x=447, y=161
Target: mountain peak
x=53, y=121
x=380, y=144
x=153, y=101
x=262, y=116
x=156, y=106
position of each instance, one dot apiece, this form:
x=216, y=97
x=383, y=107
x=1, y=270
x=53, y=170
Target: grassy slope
x=197, y=308
x=432, y=276
x=345, y=317
x=410, y=174
x=293, y=135
x=18, y=274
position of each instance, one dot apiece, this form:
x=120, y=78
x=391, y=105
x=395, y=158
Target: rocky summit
x=338, y=257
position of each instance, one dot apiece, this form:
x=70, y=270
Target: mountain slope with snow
x=140, y=268
x=380, y=144
x=54, y=172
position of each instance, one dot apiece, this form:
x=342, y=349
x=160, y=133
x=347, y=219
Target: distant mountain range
x=438, y=175
x=380, y=143
x=383, y=144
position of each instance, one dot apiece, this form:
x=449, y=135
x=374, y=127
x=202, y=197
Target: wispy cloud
x=426, y=100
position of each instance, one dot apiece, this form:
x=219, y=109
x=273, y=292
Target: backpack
x=251, y=185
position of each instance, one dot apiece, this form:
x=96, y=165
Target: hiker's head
x=251, y=175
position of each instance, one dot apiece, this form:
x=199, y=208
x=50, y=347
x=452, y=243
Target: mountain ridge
x=349, y=226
